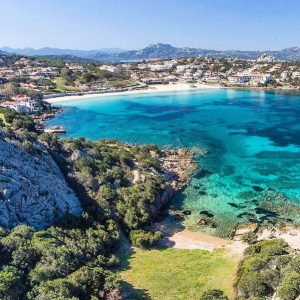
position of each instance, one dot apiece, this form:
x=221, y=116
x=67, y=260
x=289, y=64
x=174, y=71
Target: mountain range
x=157, y=51
x=46, y=51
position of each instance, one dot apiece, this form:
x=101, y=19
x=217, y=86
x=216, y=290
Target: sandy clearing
x=289, y=234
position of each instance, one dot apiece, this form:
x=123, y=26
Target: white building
x=213, y=79
x=198, y=74
x=112, y=69
x=239, y=79
x=296, y=75
x=26, y=101
x=266, y=58
x=161, y=67
x=253, y=77
x=284, y=75
x=260, y=78
x=15, y=105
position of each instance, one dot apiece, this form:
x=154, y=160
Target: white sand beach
x=159, y=88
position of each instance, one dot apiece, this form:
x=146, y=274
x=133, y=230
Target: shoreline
x=165, y=88
x=153, y=89
x=182, y=238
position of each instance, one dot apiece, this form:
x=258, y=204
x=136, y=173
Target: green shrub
x=213, y=295
x=144, y=239
x=254, y=264
x=28, y=147
x=252, y=284
x=268, y=248
x=249, y=238
x=295, y=264
x=290, y=288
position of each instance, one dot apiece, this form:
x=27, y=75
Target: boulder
x=246, y=228
x=33, y=190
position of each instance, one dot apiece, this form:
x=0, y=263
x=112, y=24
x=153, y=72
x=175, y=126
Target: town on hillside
x=26, y=81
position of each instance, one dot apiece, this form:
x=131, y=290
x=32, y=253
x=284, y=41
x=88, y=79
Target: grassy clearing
x=61, y=85
x=178, y=274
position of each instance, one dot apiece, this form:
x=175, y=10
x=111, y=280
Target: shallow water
x=253, y=139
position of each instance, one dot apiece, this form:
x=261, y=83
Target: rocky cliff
x=32, y=188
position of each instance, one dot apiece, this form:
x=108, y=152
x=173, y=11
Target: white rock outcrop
x=33, y=190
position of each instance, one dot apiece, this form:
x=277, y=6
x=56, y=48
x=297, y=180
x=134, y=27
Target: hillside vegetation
x=73, y=259
x=269, y=268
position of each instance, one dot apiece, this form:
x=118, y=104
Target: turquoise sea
x=253, y=138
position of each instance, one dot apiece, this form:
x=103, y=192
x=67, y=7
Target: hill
x=46, y=51
x=156, y=51
x=164, y=51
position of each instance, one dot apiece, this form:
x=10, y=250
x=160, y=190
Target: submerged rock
x=257, y=188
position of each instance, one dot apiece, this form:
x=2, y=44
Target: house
x=267, y=58
x=161, y=67
x=112, y=69
x=153, y=81
x=284, y=75
x=260, y=78
x=295, y=75
x=239, y=79
x=26, y=101
x=213, y=79
x=198, y=74
x=171, y=78
x=16, y=106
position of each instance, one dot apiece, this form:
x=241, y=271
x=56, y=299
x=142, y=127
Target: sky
x=134, y=24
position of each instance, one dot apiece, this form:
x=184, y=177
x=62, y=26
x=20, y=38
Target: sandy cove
x=183, y=238
x=159, y=88
x=178, y=237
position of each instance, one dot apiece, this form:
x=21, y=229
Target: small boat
x=55, y=129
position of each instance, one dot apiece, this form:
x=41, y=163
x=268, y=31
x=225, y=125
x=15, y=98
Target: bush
x=252, y=284
x=268, y=248
x=213, y=295
x=254, y=264
x=144, y=239
x=249, y=238
x=290, y=288
x=295, y=264
x=28, y=147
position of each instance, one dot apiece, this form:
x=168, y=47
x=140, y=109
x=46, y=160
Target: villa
x=25, y=101
x=16, y=106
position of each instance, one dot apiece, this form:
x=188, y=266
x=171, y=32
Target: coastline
x=164, y=88
x=184, y=238
x=158, y=88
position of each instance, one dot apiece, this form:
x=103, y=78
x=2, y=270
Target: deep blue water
x=253, y=139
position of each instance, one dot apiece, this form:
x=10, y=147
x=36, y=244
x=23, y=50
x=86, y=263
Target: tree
x=11, y=283
x=58, y=289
